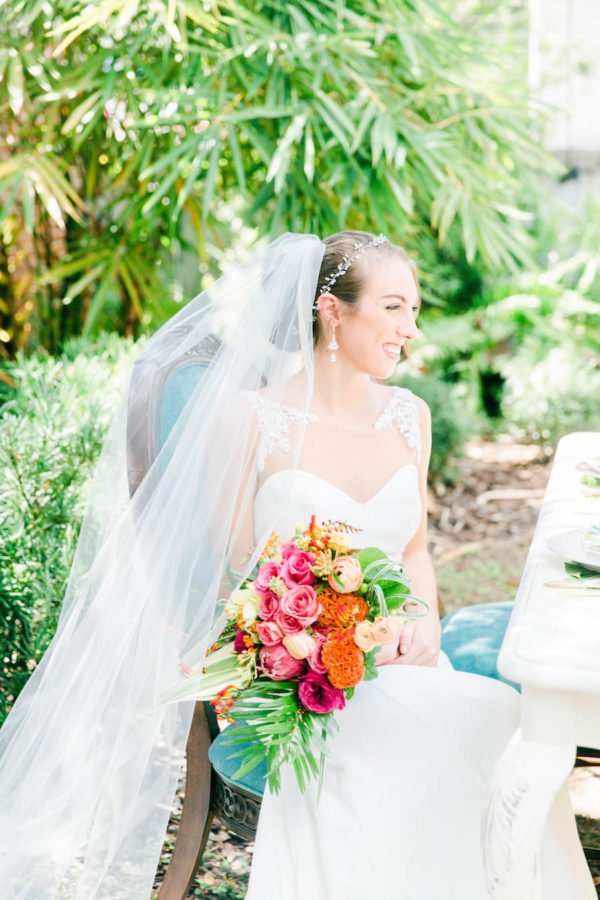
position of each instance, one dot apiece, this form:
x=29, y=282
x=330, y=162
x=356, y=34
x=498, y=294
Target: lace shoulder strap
x=274, y=420
x=401, y=412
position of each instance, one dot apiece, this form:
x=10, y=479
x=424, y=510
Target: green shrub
x=556, y=395
x=52, y=425
x=527, y=357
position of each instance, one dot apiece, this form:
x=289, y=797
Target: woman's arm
x=419, y=640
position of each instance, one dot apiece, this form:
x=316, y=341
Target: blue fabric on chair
x=220, y=750
x=178, y=390
x=472, y=637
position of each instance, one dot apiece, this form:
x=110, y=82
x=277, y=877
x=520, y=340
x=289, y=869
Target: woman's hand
x=387, y=653
x=419, y=643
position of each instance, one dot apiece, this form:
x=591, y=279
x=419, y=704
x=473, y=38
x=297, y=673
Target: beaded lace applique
x=401, y=411
x=274, y=421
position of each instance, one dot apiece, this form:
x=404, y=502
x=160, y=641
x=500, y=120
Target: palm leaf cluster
x=281, y=732
x=143, y=135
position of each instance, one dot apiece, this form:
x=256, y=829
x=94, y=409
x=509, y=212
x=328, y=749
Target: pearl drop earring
x=333, y=344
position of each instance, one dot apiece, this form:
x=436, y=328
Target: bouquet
x=301, y=633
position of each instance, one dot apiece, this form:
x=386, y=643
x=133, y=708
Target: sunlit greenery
x=143, y=138
x=53, y=421
x=527, y=357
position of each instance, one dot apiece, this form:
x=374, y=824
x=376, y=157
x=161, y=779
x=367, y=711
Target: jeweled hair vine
x=347, y=261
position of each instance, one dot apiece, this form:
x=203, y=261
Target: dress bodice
x=288, y=497
x=388, y=520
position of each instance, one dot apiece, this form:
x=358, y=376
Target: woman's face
x=371, y=334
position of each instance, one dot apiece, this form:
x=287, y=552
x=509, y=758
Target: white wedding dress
x=400, y=811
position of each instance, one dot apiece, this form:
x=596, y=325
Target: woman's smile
x=392, y=350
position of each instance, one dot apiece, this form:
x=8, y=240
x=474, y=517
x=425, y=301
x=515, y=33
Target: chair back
x=157, y=399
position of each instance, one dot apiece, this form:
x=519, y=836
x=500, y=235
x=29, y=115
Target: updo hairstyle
x=350, y=285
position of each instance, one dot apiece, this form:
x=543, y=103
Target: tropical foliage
x=527, y=358
x=143, y=137
x=52, y=426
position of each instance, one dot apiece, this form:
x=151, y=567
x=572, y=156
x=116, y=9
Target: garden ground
x=481, y=528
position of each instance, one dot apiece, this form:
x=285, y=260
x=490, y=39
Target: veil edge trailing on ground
x=89, y=759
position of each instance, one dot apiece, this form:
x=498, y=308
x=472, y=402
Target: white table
x=552, y=648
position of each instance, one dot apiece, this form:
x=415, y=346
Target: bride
x=259, y=404
x=401, y=808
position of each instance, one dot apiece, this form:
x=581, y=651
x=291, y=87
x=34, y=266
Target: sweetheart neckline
x=335, y=487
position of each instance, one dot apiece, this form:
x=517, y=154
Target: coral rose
x=269, y=632
x=276, y=663
x=319, y=696
x=299, y=645
x=349, y=572
x=295, y=568
x=302, y=603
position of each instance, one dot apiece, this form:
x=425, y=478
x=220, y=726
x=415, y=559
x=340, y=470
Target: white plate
x=569, y=547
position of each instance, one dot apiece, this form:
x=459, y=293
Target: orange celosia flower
x=344, y=661
x=341, y=610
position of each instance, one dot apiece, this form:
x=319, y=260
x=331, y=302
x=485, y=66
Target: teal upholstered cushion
x=472, y=637
x=220, y=750
x=178, y=390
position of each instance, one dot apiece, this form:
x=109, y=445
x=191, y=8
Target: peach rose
x=364, y=636
x=349, y=572
x=300, y=645
x=385, y=629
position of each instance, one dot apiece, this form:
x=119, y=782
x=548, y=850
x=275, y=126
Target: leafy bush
x=52, y=425
x=528, y=359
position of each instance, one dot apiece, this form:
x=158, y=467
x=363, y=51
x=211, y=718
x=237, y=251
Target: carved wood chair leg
x=196, y=815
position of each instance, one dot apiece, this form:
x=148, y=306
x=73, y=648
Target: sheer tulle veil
x=89, y=757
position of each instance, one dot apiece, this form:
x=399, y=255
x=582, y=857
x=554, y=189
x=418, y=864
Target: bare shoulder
x=423, y=410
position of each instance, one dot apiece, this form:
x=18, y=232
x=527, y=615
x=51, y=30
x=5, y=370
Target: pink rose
x=317, y=694
x=288, y=624
x=269, y=632
x=349, y=573
x=276, y=663
x=287, y=548
x=295, y=568
x=314, y=659
x=266, y=573
x=268, y=606
x=302, y=603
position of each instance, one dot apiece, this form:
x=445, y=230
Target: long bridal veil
x=89, y=757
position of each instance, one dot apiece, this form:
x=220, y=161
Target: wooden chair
x=471, y=637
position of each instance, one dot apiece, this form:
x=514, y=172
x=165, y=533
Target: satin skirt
x=405, y=786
